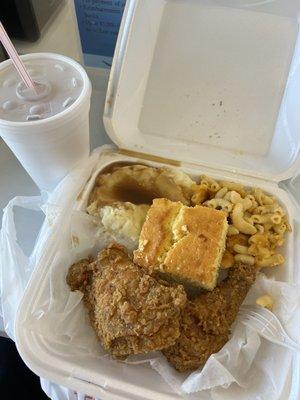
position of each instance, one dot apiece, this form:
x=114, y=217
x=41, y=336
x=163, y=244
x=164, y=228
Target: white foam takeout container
x=214, y=85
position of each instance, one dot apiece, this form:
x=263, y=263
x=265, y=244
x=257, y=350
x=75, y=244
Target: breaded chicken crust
x=206, y=321
x=130, y=311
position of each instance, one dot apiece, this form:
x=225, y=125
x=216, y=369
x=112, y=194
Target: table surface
x=59, y=36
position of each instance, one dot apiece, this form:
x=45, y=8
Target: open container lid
x=214, y=82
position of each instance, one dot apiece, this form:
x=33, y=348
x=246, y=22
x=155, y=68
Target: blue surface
x=98, y=23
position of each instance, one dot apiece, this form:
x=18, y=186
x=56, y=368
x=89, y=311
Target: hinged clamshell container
x=214, y=83
x=213, y=86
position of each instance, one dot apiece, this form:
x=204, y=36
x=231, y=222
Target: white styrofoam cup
x=49, y=148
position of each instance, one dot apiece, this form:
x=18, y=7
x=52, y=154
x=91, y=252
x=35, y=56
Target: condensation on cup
x=48, y=131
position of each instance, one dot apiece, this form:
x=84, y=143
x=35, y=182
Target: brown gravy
x=130, y=190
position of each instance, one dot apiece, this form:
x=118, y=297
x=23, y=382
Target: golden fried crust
x=156, y=236
x=130, y=311
x=78, y=274
x=185, y=244
x=206, y=320
x=217, y=310
x=194, y=346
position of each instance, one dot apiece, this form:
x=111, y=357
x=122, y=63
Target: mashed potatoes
x=122, y=196
x=122, y=222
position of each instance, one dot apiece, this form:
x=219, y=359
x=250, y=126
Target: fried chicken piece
x=206, y=321
x=130, y=311
x=194, y=346
x=79, y=273
x=217, y=310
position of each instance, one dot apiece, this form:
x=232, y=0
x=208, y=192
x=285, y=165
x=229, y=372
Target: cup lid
x=209, y=84
x=62, y=85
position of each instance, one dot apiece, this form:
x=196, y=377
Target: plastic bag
x=16, y=269
x=56, y=392
x=226, y=374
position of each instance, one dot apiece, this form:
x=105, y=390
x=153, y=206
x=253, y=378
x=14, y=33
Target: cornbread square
x=183, y=243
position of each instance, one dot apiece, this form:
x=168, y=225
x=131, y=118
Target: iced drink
x=48, y=130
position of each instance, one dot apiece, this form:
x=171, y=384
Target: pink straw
x=18, y=63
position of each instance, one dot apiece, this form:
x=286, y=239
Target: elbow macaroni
x=219, y=204
x=273, y=261
x=257, y=223
x=239, y=249
x=210, y=182
x=260, y=228
x=234, y=186
x=239, y=222
x=266, y=218
x=262, y=198
x=232, y=231
x=221, y=193
x=244, y=258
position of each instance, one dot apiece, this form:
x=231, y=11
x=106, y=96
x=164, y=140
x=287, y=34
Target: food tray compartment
x=281, y=273
x=108, y=379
